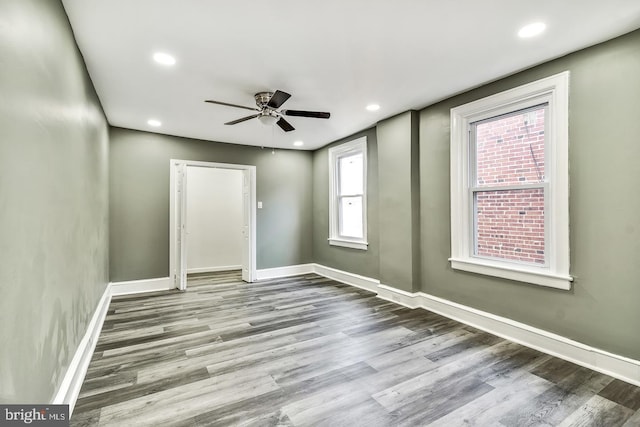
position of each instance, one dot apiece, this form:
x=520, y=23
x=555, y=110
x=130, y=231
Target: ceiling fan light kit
x=268, y=119
x=268, y=114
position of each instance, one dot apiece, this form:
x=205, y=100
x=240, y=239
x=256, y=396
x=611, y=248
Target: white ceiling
x=331, y=55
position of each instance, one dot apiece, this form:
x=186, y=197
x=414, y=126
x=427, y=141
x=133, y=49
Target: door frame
x=177, y=212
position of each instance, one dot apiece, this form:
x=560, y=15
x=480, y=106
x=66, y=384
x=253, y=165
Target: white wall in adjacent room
x=214, y=219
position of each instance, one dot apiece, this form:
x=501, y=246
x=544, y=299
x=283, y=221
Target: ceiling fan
x=268, y=104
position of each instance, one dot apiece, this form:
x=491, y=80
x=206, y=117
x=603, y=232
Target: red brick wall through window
x=510, y=151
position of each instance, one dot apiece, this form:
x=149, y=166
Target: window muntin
x=347, y=210
x=530, y=197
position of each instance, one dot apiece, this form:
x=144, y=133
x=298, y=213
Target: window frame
x=350, y=148
x=474, y=188
x=553, y=91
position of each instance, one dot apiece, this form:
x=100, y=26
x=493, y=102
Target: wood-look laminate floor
x=306, y=351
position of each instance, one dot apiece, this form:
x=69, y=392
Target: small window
x=509, y=184
x=348, y=194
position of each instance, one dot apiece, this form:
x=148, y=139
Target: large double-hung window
x=348, y=194
x=509, y=184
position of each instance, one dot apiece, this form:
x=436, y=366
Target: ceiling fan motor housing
x=262, y=98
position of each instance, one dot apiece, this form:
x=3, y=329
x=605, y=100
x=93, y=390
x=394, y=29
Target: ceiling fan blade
x=231, y=105
x=300, y=113
x=277, y=99
x=244, y=119
x=285, y=125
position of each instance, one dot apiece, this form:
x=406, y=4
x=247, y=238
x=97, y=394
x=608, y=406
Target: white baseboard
x=145, y=285
x=398, y=296
x=290, y=270
x=69, y=389
x=214, y=269
x=617, y=366
x=352, y=279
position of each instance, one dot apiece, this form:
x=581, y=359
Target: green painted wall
x=604, y=130
x=398, y=198
x=53, y=199
x=356, y=261
x=139, y=200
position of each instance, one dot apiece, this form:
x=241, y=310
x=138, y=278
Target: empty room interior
x=321, y=213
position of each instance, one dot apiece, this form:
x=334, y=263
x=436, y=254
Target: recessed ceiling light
x=531, y=30
x=164, y=58
x=298, y=143
x=153, y=122
x=373, y=107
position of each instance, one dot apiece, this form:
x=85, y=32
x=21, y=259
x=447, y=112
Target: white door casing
x=180, y=227
x=177, y=220
x=246, y=225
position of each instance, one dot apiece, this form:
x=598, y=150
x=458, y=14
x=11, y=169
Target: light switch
x=259, y=205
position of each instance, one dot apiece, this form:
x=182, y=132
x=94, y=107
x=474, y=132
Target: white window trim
x=351, y=147
x=555, y=91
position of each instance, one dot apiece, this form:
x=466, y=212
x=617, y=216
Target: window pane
x=351, y=217
x=510, y=150
x=350, y=172
x=509, y=224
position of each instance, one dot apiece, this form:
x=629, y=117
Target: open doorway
x=214, y=219
x=180, y=221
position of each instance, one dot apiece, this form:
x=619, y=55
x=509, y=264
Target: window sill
x=540, y=277
x=349, y=244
